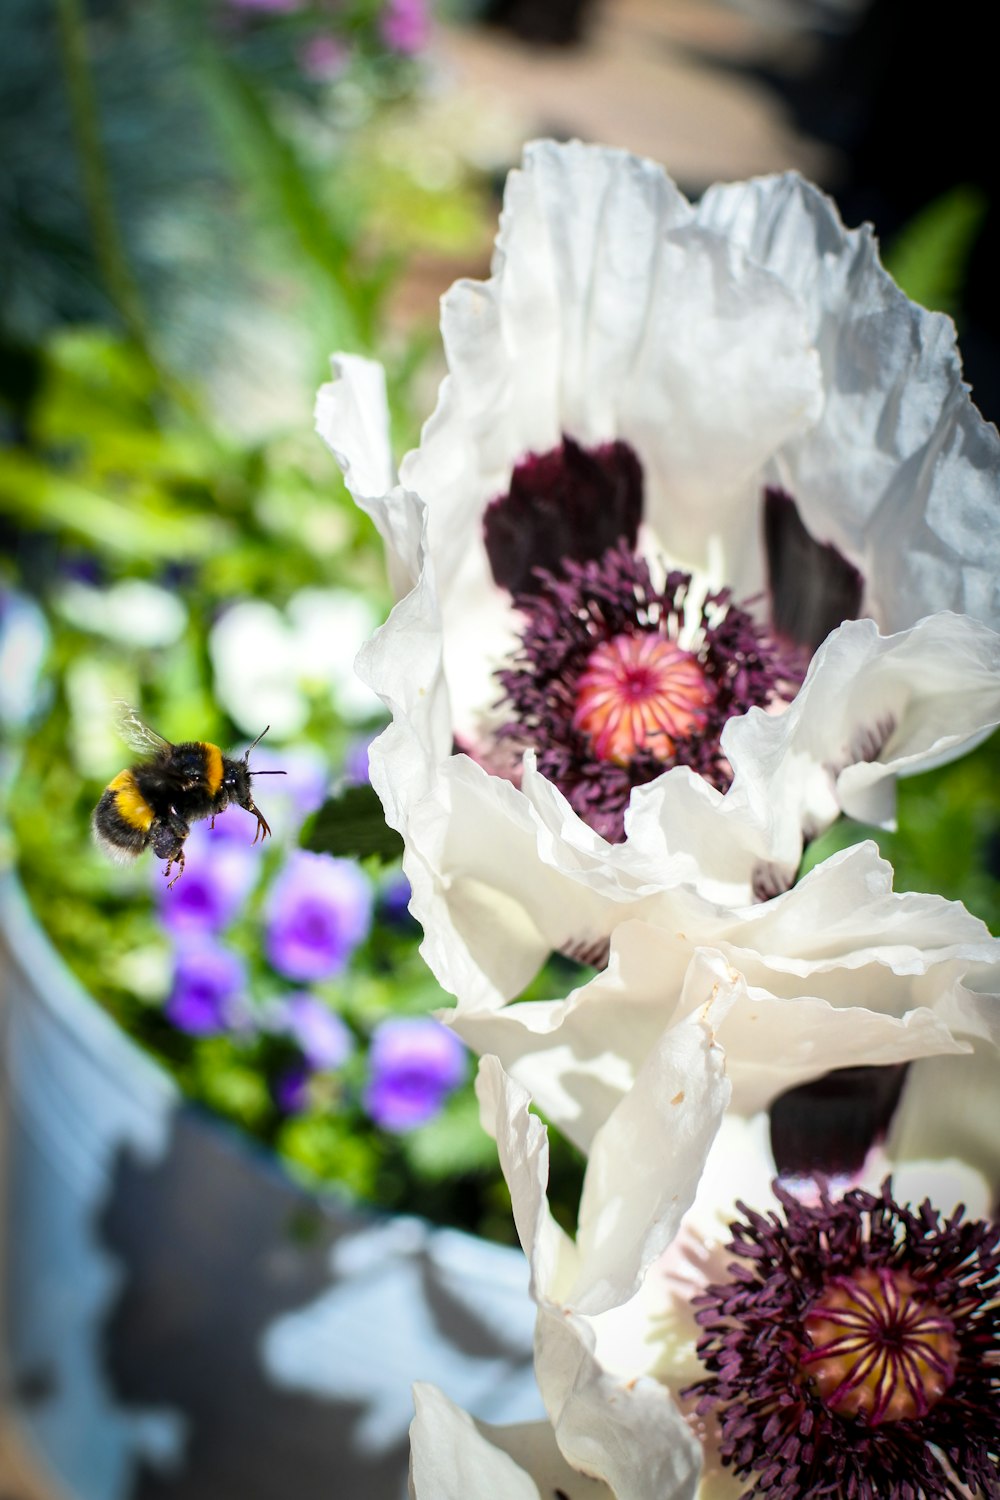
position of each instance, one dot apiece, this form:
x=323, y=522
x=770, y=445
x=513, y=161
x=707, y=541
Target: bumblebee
x=151, y=805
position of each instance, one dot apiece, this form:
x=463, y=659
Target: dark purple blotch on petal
x=827, y=1127
x=570, y=504
x=813, y=587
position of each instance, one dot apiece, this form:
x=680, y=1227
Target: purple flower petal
x=325, y=1039
x=291, y=1090
x=208, y=983
x=415, y=1063
x=318, y=911
x=394, y=901
x=405, y=26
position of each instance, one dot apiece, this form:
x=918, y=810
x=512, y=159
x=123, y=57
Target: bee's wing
x=137, y=734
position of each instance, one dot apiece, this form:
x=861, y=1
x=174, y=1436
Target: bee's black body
x=152, y=804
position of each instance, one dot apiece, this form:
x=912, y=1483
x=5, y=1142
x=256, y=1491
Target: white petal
x=901, y=471
x=352, y=418
x=872, y=707
x=950, y=1112
x=628, y=1433
x=454, y=1458
x=645, y=1162
x=523, y=1148
x=843, y=968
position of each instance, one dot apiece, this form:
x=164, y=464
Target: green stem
x=108, y=246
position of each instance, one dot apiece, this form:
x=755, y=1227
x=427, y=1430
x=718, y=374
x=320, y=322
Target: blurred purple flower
x=325, y=1040
x=209, y=982
x=405, y=25
x=220, y=873
x=318, y=911
x=323, y=58
x=414, y=1063
x=356, y=759
x=290, y=798
x=394, y=901
x=291, y=1090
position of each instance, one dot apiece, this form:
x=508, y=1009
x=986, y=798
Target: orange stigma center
x=879, y=1348
x=640, y=692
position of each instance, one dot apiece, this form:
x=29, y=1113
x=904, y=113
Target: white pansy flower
x=25, y=639
x=268, y=662
x=136, y=611
x=719, y=432
x=846, y=1336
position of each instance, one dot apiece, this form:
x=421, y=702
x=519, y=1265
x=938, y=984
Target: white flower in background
x=25, y=638
x=720, y=432
x=267, y=663
x=135, y=611
x=846, y=1337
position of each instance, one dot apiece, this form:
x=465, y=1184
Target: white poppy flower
x=721, y=431
x=844, y=1336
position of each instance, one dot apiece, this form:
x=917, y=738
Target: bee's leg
x=263, y=828
x=212, y=822
x=167, y=838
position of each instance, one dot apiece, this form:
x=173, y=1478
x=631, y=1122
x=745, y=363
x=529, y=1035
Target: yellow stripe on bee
x=131, y=805
x=213, y=767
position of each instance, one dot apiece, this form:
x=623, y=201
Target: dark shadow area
x=214, y=1246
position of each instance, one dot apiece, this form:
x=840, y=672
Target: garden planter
x=181, y=1318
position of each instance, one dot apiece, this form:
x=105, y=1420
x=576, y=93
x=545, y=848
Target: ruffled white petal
x=901, y=471
x=872, y=708
x=628, y=1433
x=844, y=970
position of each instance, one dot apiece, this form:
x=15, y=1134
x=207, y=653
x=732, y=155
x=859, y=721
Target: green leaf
x=929, y=256
x=352, y=825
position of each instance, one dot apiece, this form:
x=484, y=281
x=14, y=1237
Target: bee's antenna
x=268, y=773
x=246, y=753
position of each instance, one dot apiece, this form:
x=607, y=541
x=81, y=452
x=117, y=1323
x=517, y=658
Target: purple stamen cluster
x=791, y=1436
x=570, y=611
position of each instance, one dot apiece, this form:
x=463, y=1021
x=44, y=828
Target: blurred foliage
x=195, y=155
x=930, y=256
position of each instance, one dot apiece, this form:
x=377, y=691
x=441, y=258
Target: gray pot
x=182, y=1319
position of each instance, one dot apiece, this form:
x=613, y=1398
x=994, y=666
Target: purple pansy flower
x=356, y=759
x=415, y=1063
x=323, y=58
x=299, y=791
x=394, y=901
x=220, y=872
x=209, y=981
x=324, y=1038
x=291, y=1089
x=405, y=26
x=318, y=911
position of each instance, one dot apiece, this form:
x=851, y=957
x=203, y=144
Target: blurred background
x=200, y=200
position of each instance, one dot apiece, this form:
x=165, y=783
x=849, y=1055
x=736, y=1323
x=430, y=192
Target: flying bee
x=152, y=804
